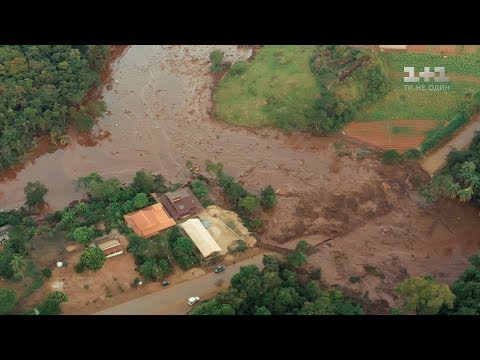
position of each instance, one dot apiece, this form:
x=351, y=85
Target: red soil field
x=380, y=133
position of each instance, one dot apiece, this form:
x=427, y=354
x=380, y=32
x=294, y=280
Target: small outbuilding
x=110, y=245
x=201, y=237
x=181, y=203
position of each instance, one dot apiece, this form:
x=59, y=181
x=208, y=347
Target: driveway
x=173, y=299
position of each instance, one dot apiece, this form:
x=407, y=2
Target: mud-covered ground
x=366, y=219
x=360, y=213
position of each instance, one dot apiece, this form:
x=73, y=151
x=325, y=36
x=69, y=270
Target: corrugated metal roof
x=200, y=236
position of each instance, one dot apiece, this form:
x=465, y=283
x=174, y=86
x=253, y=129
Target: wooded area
x=42, y=92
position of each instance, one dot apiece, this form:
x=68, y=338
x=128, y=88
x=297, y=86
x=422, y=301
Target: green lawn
x=414, y=104
x=275, y=90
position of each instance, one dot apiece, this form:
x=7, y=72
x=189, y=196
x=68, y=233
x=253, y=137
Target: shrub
x=216, y=57
x=355, y=279
x=268, y=198
x=79, y=268
x=253, y=224
x=362, y=154
x=199, y=189
x=249, y=203
x=241, y=246
x=47, y=273
x=238, y=68
x=412, y=154
x=316, y=274
x=51, y=304
x=390, y=156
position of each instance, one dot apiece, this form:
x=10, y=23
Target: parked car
x=193, y=300
x=165, y=283
x=219, y=268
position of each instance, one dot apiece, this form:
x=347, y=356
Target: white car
x=193, y=300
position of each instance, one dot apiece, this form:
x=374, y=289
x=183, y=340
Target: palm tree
x=473, y=181
x=19, y=265
x=453, y=189
x=465, y=195
x=467, y=171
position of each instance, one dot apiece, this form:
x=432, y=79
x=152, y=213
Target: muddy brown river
x=159, y=105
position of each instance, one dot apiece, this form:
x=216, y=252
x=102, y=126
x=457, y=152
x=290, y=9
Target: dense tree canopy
x=276, y=290
x=8, y=299
x=84, y=234
x=467, y=289
x=42, y=89
x=425, y=296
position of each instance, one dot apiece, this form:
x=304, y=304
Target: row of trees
x=242, y=201
x=276, y=290
x=42, y=90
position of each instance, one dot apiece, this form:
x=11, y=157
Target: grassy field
x=277, y=86
x=435, y=105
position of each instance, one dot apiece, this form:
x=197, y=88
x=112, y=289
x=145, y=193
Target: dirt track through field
x=436, y=160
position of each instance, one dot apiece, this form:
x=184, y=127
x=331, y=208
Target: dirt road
x=173, y=300
x=436, y=161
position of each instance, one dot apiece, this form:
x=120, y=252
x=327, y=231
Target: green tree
x=92, y=258
x=199, y=189
x=140, y=200
x=35, y=193
x=155, y=270
x=51, y=303
x=184, y=253
x=425, y=296
x=465, y=195
x=19, y=266
x=213, y=308
x=143, y=182
x=250, y=203
x=18, y=240
x=467, y=289
x=268, y=198
x=390, y=156
x=297, y=259
x=6, y=270
x=8, y=300
x=216, y=57
x=84, y=234
x=103, y=189
x=262, y=310
x=128, y=206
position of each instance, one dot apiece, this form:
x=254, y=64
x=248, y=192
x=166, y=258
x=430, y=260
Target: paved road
x=436, y=161
x=173, y=299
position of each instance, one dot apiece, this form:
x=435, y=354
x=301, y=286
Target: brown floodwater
x=159, y=116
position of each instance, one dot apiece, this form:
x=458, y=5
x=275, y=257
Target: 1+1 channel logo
x=426, y=75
